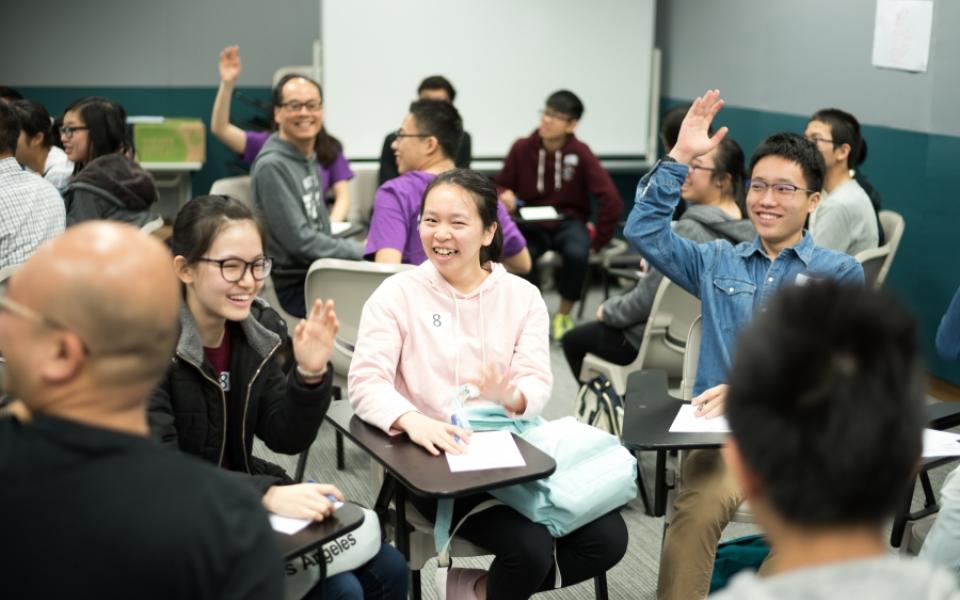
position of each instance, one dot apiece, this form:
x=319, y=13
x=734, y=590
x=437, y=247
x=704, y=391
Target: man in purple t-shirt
x=424, y=146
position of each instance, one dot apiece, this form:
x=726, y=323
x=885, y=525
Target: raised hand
x=694, y=138
x=230, y=66
x=313, y=337
x=497, y=387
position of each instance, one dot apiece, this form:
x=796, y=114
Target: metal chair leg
x=301, y=465
x=338, y=439
x=600, y=586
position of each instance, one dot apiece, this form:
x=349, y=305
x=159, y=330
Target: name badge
x=438, y=320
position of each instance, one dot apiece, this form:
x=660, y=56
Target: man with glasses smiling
x=732, y=282
x=87, y=327
x=287, y=191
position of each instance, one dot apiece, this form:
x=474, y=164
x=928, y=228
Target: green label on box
x=174, y=140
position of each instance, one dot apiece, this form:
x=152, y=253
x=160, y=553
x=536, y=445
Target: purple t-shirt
x=396, y=210
x=339, y=169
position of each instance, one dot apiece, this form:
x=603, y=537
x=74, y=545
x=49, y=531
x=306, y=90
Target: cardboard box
x=173, y=140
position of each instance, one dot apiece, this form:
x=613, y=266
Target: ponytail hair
x=484, y=194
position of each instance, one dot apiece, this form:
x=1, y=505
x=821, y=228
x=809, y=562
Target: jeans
x=383, y=577
x=572, y=242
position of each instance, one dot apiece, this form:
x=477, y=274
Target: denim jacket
x=732, y=282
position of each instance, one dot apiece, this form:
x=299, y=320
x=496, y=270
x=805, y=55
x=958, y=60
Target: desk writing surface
x=430, y=475
x=648, y=412
x=344, y=520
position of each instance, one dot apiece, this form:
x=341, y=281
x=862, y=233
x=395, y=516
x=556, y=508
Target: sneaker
x=461, y=582
x=561, y=324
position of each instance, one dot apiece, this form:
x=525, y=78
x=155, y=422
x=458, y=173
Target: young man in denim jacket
x=732, y=282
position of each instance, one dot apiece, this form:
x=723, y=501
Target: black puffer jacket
x=187, y=408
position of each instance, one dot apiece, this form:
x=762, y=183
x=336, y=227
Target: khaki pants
x=707, y=500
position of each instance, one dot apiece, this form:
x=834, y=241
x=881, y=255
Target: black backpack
x=599, y=405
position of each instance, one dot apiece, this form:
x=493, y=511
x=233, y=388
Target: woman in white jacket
x=460, y=318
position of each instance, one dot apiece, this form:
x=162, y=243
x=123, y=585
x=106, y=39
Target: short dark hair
x=844, y=129
x=441, y=120
x=438, y=82
x=670, y=126
x=826, y=403
x=8, y=93
x=34, y=119
x=106, y=121
x=566, y=102
x=200, y=220
x=9, y=129
x=484, y=193
x=729, y=160
x=795, y=148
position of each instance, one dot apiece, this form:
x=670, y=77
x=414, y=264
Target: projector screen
x=504, y=57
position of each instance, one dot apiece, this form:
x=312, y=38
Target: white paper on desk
x=940, y=443
x=338, y=227
x=539, y=213
x=287, y=525
x=901, y=34
x=687, y=421
x=487, y=450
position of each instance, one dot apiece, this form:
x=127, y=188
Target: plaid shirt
x=31, y=212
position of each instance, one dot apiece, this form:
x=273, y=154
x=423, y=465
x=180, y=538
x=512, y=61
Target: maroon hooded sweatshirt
x=563, y=179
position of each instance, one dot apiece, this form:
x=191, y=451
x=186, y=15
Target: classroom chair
x=235, y=187
x=664, y=340
x=876, y=262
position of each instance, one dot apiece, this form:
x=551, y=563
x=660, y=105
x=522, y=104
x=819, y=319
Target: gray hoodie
x=286, y=190
x=699, y=223
x=884, y=578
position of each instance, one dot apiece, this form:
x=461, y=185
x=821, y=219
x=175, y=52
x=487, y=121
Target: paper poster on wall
x=901, y=35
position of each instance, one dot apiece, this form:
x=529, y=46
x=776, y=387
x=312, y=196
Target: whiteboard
x=504, y=57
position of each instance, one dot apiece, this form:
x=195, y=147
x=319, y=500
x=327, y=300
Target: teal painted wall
x=917, y=176
x=169, y=102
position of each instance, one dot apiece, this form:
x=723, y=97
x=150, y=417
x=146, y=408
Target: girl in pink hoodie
x=460, y=318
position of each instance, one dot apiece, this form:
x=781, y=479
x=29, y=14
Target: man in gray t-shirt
x=826, y=410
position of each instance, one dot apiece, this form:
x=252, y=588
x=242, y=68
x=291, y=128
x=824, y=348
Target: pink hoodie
x=420, y=339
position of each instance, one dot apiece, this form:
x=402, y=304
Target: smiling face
x=452, y=232
x=412, y=148
x=210, y=296
x=77, y=144
x=700, y=187
x=300, y=116
x=779, y=217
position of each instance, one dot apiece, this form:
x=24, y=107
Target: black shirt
x=94, y=513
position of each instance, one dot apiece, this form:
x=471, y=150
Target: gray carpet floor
x=634, y=577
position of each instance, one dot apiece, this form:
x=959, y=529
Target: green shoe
x=561, y=324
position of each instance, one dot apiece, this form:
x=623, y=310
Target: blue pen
x=456, y=423
x=333, y=499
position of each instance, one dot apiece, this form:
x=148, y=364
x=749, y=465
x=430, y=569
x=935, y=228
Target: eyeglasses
x=28, y=313
x=234, y=269
x=816, y=139
x=695, y=167
x=399, y=134
x=780, y=190
x=296, y=105
x=68, y=130
x=556, y=116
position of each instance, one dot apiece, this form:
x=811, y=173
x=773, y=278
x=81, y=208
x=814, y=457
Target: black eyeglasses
x=296, y=106
x=556, y=116
x=816, y=139
x=234, y=269
x=780, y=190
x=68, y=130
x=399, y=134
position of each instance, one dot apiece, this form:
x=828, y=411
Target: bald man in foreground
x=92, y=508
